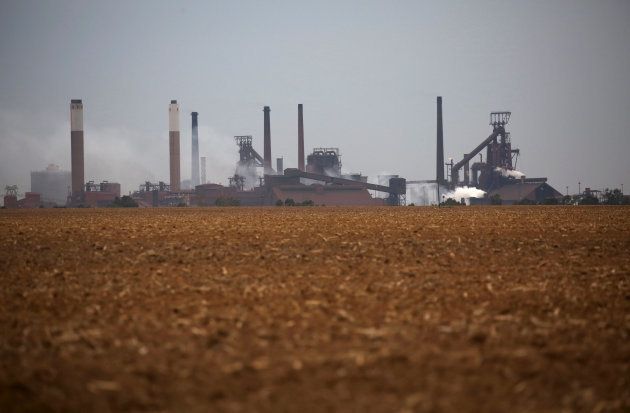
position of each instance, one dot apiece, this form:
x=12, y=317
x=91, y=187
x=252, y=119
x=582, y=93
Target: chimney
x=267, y=149
x=76, y=146
x=194, y=176
x=279, y=166
x=173, y=145
x=440, y=144
x=466, y=172
x=300, y=138
x=203, y=170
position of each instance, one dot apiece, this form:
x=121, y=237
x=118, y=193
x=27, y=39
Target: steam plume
x=510, y=173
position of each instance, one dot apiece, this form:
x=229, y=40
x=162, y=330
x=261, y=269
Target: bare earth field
x=495, y=309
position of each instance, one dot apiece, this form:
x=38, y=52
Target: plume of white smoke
x=509, y=173
x=251, y=176
x=424, y=193
x=331, y=172
x=465, y=192
x=221, y=154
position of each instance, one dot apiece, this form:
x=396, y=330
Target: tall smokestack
x=440, y=144
x=173, y=145
x=76, y=146
x=194, y=176
x=267, y=149
x=300, y=138
x=203, y=170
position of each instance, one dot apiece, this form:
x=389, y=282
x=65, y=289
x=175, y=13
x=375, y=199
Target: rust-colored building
x=283, y=187
x=325, y=194
x=100, y=195
x=30, y=200
x=534, y=192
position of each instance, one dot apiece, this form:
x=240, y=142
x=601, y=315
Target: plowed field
x=495, y=309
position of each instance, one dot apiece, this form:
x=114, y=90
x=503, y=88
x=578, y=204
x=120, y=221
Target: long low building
x=214, y=194
x=518, y=192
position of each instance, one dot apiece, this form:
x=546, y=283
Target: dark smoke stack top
x=440, y=144
x=267, y=149
x=300, y=138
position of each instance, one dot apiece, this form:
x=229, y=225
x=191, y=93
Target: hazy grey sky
x=367, y=73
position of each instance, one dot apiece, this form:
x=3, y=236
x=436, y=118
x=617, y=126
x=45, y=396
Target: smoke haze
x=122, y=155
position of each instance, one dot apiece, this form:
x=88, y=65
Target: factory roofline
x=520, y=191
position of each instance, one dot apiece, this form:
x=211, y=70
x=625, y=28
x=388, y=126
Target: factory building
x=30, y=200
x=496, y=175
x=100, y=195
x=533, y=192
x=319, y=189
x=320, y=181
x=324, y=161
x=53, y=184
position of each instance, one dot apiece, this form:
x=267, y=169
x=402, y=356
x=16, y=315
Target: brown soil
x=489, y=309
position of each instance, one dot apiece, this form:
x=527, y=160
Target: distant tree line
x=608, y=197
x=615, y=197
x=124, y=201
x=227, y=201
x=291, y=202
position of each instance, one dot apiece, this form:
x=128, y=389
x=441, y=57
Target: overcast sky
x=367, y=73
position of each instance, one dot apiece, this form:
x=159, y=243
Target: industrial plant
x=255, y=182
x=497, y=176
x=318, y=178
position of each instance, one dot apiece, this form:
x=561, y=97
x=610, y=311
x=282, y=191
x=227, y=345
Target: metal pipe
x=440, y=143
x=301, y=166
x=466, y=172
x=267, y=143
